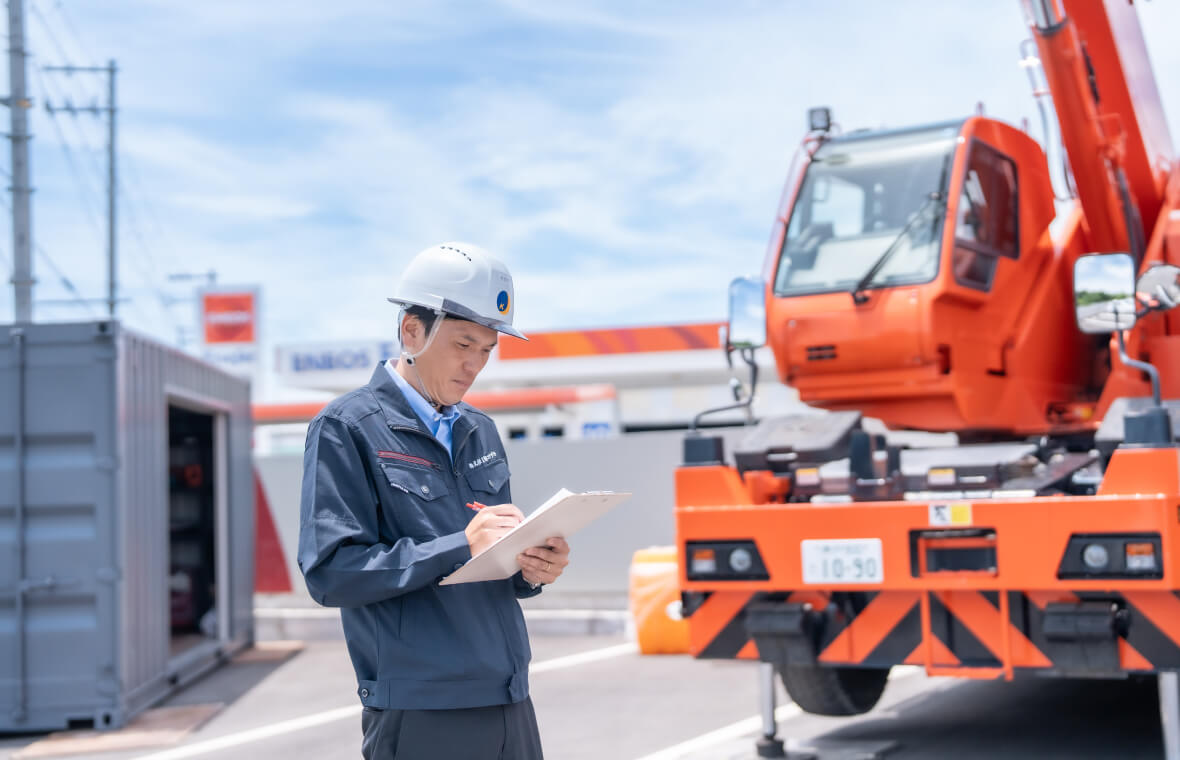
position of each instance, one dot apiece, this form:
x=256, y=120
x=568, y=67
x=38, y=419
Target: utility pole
x=112, y=188
x=18, y=104
x=112, y=184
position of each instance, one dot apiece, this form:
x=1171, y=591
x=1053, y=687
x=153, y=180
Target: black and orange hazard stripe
x=967, y=629
x=1151, y=639
x=1154, y=632
x=718, y=626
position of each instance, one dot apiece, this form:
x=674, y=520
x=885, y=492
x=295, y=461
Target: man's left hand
x=543, y=564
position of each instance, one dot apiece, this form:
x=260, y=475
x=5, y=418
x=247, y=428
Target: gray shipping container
x=126, y=523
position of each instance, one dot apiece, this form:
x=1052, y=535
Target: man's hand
x=490, y=524
x=543, y=564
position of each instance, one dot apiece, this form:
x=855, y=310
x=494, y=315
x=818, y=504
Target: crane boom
x=1111, y=116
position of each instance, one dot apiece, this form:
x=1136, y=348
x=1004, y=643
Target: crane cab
x=912, y=277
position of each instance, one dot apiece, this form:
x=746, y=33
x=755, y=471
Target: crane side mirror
x=1104, y=292
x=747, y=313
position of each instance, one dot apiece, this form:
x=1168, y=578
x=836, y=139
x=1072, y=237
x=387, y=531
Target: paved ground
x=625, y=707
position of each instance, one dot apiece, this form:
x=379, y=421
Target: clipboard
x=564, y=514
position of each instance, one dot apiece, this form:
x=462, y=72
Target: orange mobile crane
x=914, y=277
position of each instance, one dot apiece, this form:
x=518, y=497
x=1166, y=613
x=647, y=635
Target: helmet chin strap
x=410, y=357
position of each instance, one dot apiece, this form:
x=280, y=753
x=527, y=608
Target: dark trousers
x=499, y=732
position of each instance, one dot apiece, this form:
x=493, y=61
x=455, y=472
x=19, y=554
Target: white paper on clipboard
x=564, y=514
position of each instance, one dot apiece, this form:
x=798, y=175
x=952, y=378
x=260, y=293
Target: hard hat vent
x=459, y=251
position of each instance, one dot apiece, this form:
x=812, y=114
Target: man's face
x=449, y=366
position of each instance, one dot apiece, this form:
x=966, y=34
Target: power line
x=64, y=94
x=49, y=93
x=148, y=277
x=92, y=215
x=142, y=201
x=62, y=279
x=60, y=49
x=137, y=232
x=48, y=31
x=145, y=263
x=83, y=184
x=145, y=258
x=73, y=32
x=65, y=281
x=87, y=148
x=108, y=112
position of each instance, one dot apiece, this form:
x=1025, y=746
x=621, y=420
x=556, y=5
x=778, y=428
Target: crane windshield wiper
x=857, y=292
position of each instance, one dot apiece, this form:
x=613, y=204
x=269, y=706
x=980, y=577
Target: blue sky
x=624, y=159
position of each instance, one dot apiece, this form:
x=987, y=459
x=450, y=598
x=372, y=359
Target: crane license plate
x=842, y=560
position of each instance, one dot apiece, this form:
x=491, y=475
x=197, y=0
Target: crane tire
x=823, y=690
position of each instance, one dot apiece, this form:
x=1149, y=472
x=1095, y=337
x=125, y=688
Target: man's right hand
x=489, y=524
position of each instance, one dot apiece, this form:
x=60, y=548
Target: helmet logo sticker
x=502, y=301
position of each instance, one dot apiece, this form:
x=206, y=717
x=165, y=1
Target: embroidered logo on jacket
x=482, y=460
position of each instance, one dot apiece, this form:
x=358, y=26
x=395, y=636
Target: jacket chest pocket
x=419, y=508
x=489, y=479
x=426, y=484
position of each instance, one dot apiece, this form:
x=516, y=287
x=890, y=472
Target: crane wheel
x=833, y=691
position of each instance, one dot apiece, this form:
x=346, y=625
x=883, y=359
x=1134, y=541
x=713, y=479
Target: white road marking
x=723, y=734
x=594, y=655
x=342, y=713
x=752, y=724
x=255, y=734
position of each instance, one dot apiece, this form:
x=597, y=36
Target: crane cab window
x=987, y=223
x=837, y=206
x=863, y=197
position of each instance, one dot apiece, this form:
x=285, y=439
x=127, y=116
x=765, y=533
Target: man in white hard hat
x=395, y=476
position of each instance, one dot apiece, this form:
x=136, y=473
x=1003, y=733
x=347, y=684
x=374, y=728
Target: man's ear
x=411, y=332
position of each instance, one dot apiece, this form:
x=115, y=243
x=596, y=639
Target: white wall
x=601, y=554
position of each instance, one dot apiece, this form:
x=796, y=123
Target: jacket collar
x=393, y=403
x=399, y=413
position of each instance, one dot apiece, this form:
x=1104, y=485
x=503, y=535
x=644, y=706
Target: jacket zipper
x=517, y=655
x=513, y=645
x=455, y=460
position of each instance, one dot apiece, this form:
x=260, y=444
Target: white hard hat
x=462, y=280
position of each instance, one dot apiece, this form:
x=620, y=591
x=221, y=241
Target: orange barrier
x=655, y=585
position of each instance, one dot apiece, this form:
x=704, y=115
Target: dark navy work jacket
x=381, y=522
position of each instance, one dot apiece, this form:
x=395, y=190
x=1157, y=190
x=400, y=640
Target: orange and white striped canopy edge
x=622, y=340
x=497, y=400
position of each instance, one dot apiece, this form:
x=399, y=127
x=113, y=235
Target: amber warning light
x=1141, y=557
x=704, y=561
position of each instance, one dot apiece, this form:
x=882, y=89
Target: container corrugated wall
x=95, y=520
